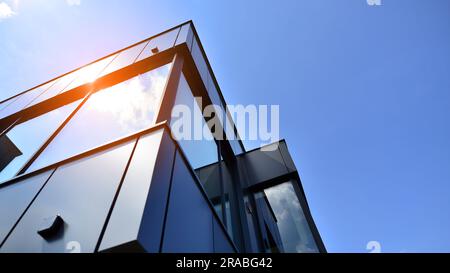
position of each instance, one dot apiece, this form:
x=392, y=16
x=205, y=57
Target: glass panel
x=233, y=138
x=292, y=224
x=60, y=84
x=161, y=42
x=23, y=140
x=125, y=58
x=216, y=180
x=200, y=62
x=24, y=100
x=185, y=35
x=199, y=147
x=108, y=115
x=7, y=102
x=228, y=122
x=89, y=73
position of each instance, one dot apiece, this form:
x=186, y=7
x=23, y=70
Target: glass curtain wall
x=108, y=115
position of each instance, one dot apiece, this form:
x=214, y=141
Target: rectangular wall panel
x=189, y=217
x=123, y=229
x=81, y=193
x=15, y=198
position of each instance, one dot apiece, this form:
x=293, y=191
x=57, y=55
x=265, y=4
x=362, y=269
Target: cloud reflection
x=133, y=103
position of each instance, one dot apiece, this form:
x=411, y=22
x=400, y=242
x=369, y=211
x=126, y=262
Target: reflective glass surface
x=23, y=100
x=200, y=62
x=55, y=89
x=197, y=144
x=23, y=140
x=292, y=224
x=161, y=42
x=185, y=35
x=89, y=73
x=125, y=58
x=108, y=115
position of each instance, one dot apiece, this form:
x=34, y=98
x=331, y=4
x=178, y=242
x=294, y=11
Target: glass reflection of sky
x=293, y=227
x=199, y=152
x=108, y=115
x=30, y=135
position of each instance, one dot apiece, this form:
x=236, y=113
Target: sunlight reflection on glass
x=108, y=115
x=90, y=73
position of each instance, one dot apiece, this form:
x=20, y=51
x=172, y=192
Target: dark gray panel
x=287, y=156
x=125, y=221
x=151, y=230
x=188, y=224
x=81, y=192
x=221, y=242
x=200, y=62
x=263, y=165
x=15, y=198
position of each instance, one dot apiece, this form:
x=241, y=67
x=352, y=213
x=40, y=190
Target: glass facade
x=201, y=150
x=108, y=115
x=24, y=100
x=124, y=58
x=23, y=140
x=196, y=179
x=89, y=73
x=159, y=44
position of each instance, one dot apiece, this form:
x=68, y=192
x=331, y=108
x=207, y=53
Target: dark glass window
x=200, y=62
x=108, y=115
x=23, y=140
x=293, y=227
x=203, y=155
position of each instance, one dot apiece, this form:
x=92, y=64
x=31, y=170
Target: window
x=89, y=73
x=203, y=154
x=198, y=145
x=125, y=58
x=23, y=140
x=293, y=227
x=108, y=115
x=22, y=101
x=72, y=80
x=55, y=89
x=161, y=42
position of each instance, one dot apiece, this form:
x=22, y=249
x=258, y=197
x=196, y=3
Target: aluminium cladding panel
x=264, y=164
x=189, y=225
x=136, y=222
x=16, y=197
x=221, y=242
x=290, y=165
x=81, y=192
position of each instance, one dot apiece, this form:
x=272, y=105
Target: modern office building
x=89, y=164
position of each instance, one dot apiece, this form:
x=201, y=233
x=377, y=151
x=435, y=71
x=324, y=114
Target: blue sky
x=364, y=93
